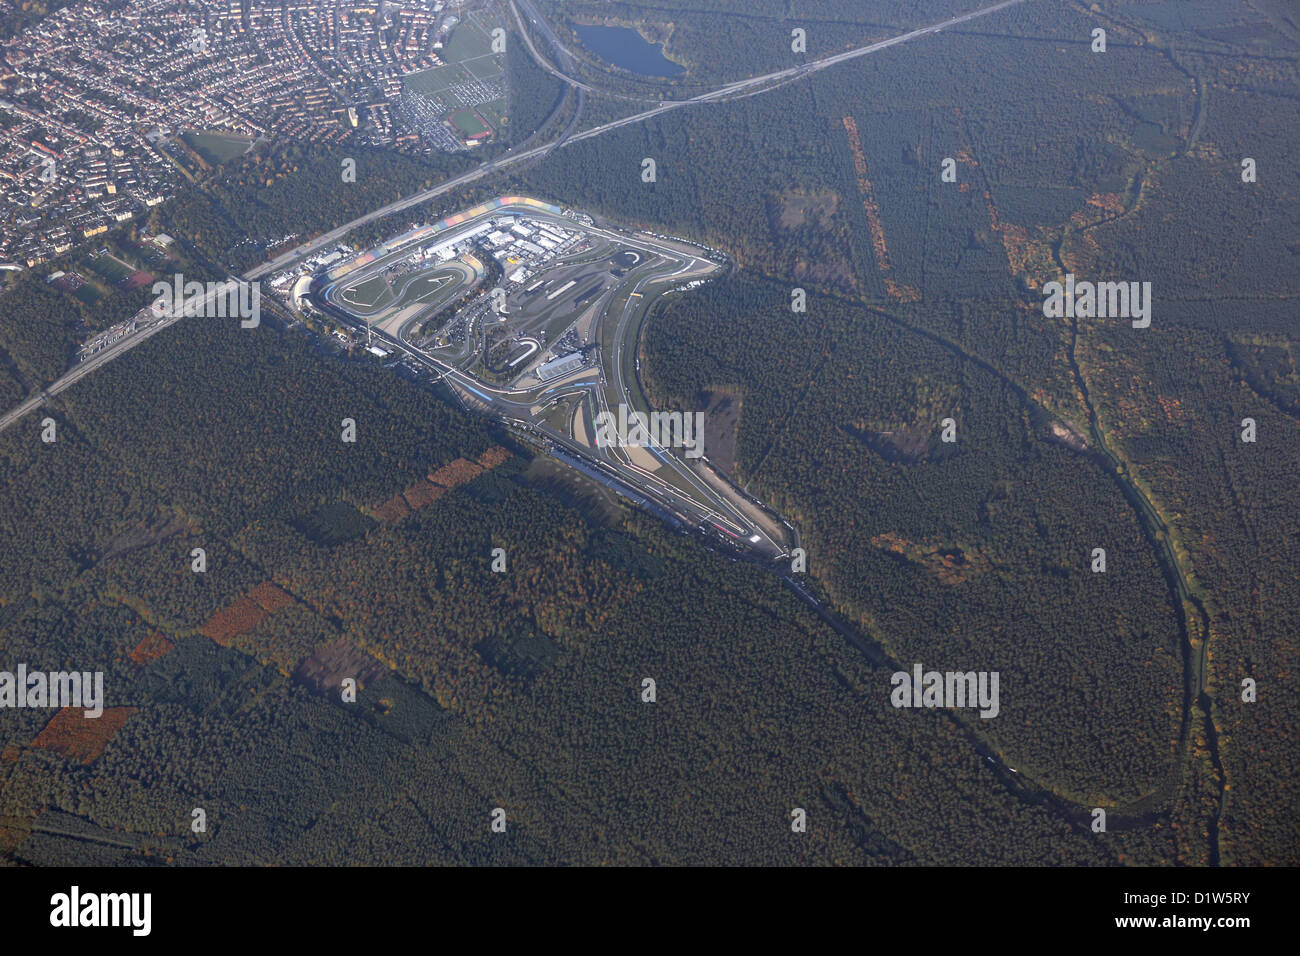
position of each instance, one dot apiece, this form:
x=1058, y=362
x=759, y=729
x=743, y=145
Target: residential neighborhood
x=104, y=105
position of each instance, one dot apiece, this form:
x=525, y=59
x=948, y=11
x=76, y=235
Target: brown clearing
x=81, y=738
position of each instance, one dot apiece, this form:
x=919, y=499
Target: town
x=104, y=105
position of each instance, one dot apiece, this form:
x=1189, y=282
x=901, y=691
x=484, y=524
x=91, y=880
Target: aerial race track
x=421, y=233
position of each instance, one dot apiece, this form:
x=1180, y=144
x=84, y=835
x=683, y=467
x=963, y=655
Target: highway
x=770, y=81
x=562, y=54
x=102, y=357
x=736, y=90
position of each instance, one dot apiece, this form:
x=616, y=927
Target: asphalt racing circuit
x=531, y=314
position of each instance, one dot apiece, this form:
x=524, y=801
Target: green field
x=369, y=294
x=88, y=294
x=216, y=148
x=109, y=268
x=470, y=40
x=426, y=285
x=467, y=57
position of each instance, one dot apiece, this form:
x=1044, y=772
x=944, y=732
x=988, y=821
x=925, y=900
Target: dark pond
x=627, y=48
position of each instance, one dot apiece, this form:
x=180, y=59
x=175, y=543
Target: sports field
x=469, y=123
x=109, y=268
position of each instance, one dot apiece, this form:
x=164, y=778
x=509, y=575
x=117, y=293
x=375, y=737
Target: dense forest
x=519, y=690
x=974, y=553
x=37, y=333
x=933, y=308
x=16, y=17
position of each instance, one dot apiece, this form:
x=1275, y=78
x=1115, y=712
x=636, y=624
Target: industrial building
x=560, y=366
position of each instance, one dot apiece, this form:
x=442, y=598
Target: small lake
x=626, y=48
